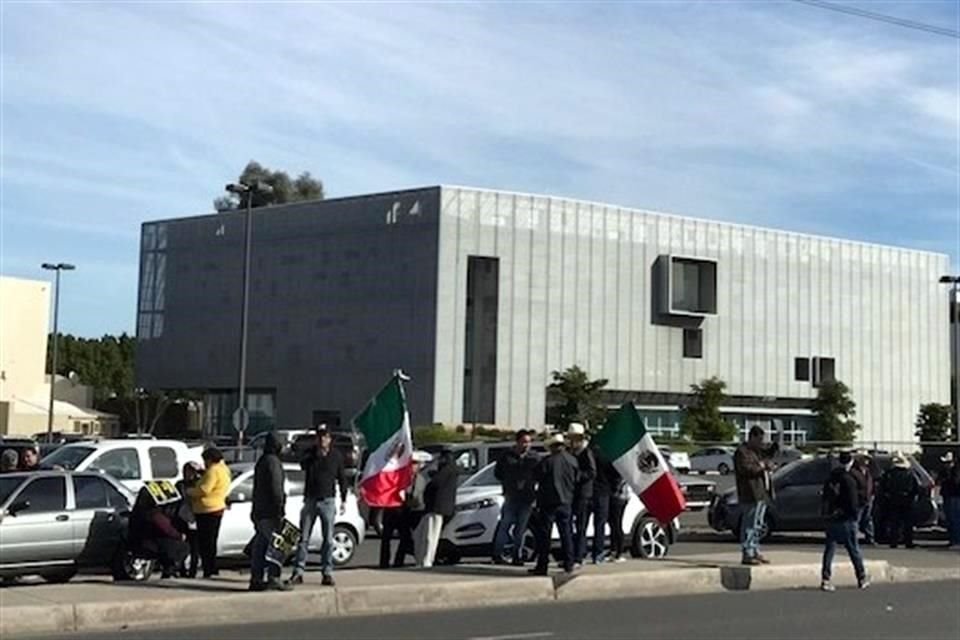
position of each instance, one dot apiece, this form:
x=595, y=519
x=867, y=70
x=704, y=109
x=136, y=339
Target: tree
x=580, y=399
x=303, y=187
x=106, y=364
x=833, y=411
x=702, y=420
x=934, y=422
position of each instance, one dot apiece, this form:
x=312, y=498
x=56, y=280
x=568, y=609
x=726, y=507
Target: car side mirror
x=18, y=506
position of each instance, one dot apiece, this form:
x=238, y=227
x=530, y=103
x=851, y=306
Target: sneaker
x=619, y=559
x=517, y=562
x=751, y=562
x=499, y=561
x=257, y=586
x=762, y=559
x=295, y=579
x=863, y=583
x=536, y=571
x=276, y=585
x=327, y=581
x=577, y=565
x=827, y=586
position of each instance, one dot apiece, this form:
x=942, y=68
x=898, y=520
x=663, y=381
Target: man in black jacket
x=899, y=491
x=515, y=471
x=325, y=473
x=557, y=481
x=841, y=506
x=440, y=500
x=269, y=502
x=583, y=496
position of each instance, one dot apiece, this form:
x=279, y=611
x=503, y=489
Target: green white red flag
x=385, y=424
x=624, y=441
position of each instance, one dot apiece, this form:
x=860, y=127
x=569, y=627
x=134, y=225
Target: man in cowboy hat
x=949, y=481
x=899, y=491
x=557, y=480
x=583, y=496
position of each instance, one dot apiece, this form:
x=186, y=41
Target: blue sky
x=771, y=113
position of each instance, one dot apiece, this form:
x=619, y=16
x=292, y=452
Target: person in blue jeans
x=269, y=502
x=842, y=508
x=325, y=473
x=949, y=481
x=752, y=468
x=515, y=471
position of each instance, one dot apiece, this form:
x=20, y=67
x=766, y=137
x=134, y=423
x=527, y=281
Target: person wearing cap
x=583, y=495
x=515, y=471
x=440, y=502
x=325, y=474
x=8, y=460
x=899, y=491
x=949, y=481
x=556, y=483
x=863, y=474
x=752, y=466
x=841, y=506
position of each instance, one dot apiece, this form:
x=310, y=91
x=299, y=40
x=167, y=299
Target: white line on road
x=516, y=636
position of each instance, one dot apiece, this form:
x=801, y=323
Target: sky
x=770, y=113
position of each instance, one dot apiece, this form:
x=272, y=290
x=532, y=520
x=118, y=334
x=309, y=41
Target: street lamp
x=243, y=189
x=955, y=325
x=58, y=267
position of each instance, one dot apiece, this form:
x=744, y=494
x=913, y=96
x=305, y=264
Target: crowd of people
x=26, y=459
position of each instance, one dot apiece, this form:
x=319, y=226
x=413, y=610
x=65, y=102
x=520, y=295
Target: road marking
x=516, y=636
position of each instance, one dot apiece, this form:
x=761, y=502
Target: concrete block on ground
x=650, y=582
x=925, y=574
x=35, y=620
x=443, y=595
x=797, y=576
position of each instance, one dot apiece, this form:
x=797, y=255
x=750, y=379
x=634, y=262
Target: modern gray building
x=478, y=295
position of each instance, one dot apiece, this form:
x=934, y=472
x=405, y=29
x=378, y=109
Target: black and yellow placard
x=163, y=492
x=283, y=543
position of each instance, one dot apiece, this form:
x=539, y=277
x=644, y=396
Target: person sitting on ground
x=152, y=534
x=8, y=460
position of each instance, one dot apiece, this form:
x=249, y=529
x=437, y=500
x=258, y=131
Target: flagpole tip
x=400, y=374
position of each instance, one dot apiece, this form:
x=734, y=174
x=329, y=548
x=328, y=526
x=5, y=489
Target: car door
x=798, y=496
x=123, y=464
x=97, y=527
x=236, y=528
x=42, y=532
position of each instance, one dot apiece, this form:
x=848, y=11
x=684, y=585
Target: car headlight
x=476, y=505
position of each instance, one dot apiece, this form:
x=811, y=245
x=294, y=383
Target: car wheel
x=60, y=576
x=344, y=545
x=723, y=468
x=650, y=540
x=528, y=548
x=127, y=566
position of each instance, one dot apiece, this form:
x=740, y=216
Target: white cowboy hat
x=576, y=429
x=556, y=438
x=947, y=457
x=899, y=460
x=421, y=456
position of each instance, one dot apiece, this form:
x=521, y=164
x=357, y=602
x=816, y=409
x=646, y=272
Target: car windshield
x=68, y=457
x=787, y=469
x=482, y=478
x=7, y=486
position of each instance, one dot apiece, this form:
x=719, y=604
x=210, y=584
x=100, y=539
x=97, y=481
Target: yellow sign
x=163, y=492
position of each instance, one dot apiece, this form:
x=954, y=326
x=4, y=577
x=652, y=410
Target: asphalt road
x=915, y=611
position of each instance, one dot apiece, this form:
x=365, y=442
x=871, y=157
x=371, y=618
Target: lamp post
x=954, y=281
x=58, y=267
x=245, y=191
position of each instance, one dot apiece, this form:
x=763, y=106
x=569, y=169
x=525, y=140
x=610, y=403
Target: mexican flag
x=385, y=424
x=624, y=441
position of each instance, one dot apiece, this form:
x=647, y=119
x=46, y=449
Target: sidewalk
x=94, y=603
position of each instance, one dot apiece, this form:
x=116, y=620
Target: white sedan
x=236, y=530
x=479, y=499
x=719, y=459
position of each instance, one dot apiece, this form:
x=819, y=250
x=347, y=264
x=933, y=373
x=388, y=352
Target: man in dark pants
x=865, y=489
x=557, y=478
x=399, y=522
x=583, y=495
x=269, y=501
x=515, y=471
x=899, y=491
x=604, y=486
x=841, y=506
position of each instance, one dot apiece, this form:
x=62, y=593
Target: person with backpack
x=899, y=492
x=841, y=506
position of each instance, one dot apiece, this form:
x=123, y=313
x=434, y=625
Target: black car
x=798, y=490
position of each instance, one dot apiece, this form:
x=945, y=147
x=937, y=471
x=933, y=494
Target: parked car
x=54, y=523
x=285, y=437
x=798, y=489
x=471, y=457
x=679, y=460
x=698, y=493
x=236, y=529
x=718, y=459
x=132, y=462
x=786, y=455
x=471, y=531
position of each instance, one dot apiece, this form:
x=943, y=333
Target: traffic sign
x=241, y=419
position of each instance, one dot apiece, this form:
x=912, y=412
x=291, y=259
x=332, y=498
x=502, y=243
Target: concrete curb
x=243, y=607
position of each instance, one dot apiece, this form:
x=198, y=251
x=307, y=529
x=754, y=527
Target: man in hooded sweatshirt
x=269, y=502
x=841, y=506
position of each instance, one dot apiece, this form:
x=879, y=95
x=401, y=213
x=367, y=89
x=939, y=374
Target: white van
x=130, y=461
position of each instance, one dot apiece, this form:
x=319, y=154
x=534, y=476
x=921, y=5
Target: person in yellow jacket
x=209, y=500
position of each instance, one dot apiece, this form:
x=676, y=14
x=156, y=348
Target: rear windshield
x=7, y=486
x=68, y=457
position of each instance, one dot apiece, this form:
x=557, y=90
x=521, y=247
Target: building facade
x=480, y=295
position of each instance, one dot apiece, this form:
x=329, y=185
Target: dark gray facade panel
x=342, y=292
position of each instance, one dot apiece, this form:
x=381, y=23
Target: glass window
x=163, y=462
x=694, y=285
x=693, y=343
x=66, y=457
x=824, y=370
x=243, y=492
x=484, y=478
x=801, y=369
x=90, y=492
x=116, y=499
x=45, y=494
x=122, y=464
x=7, y=487
x=466, y=460
x=814, y=472
x=149, y=237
